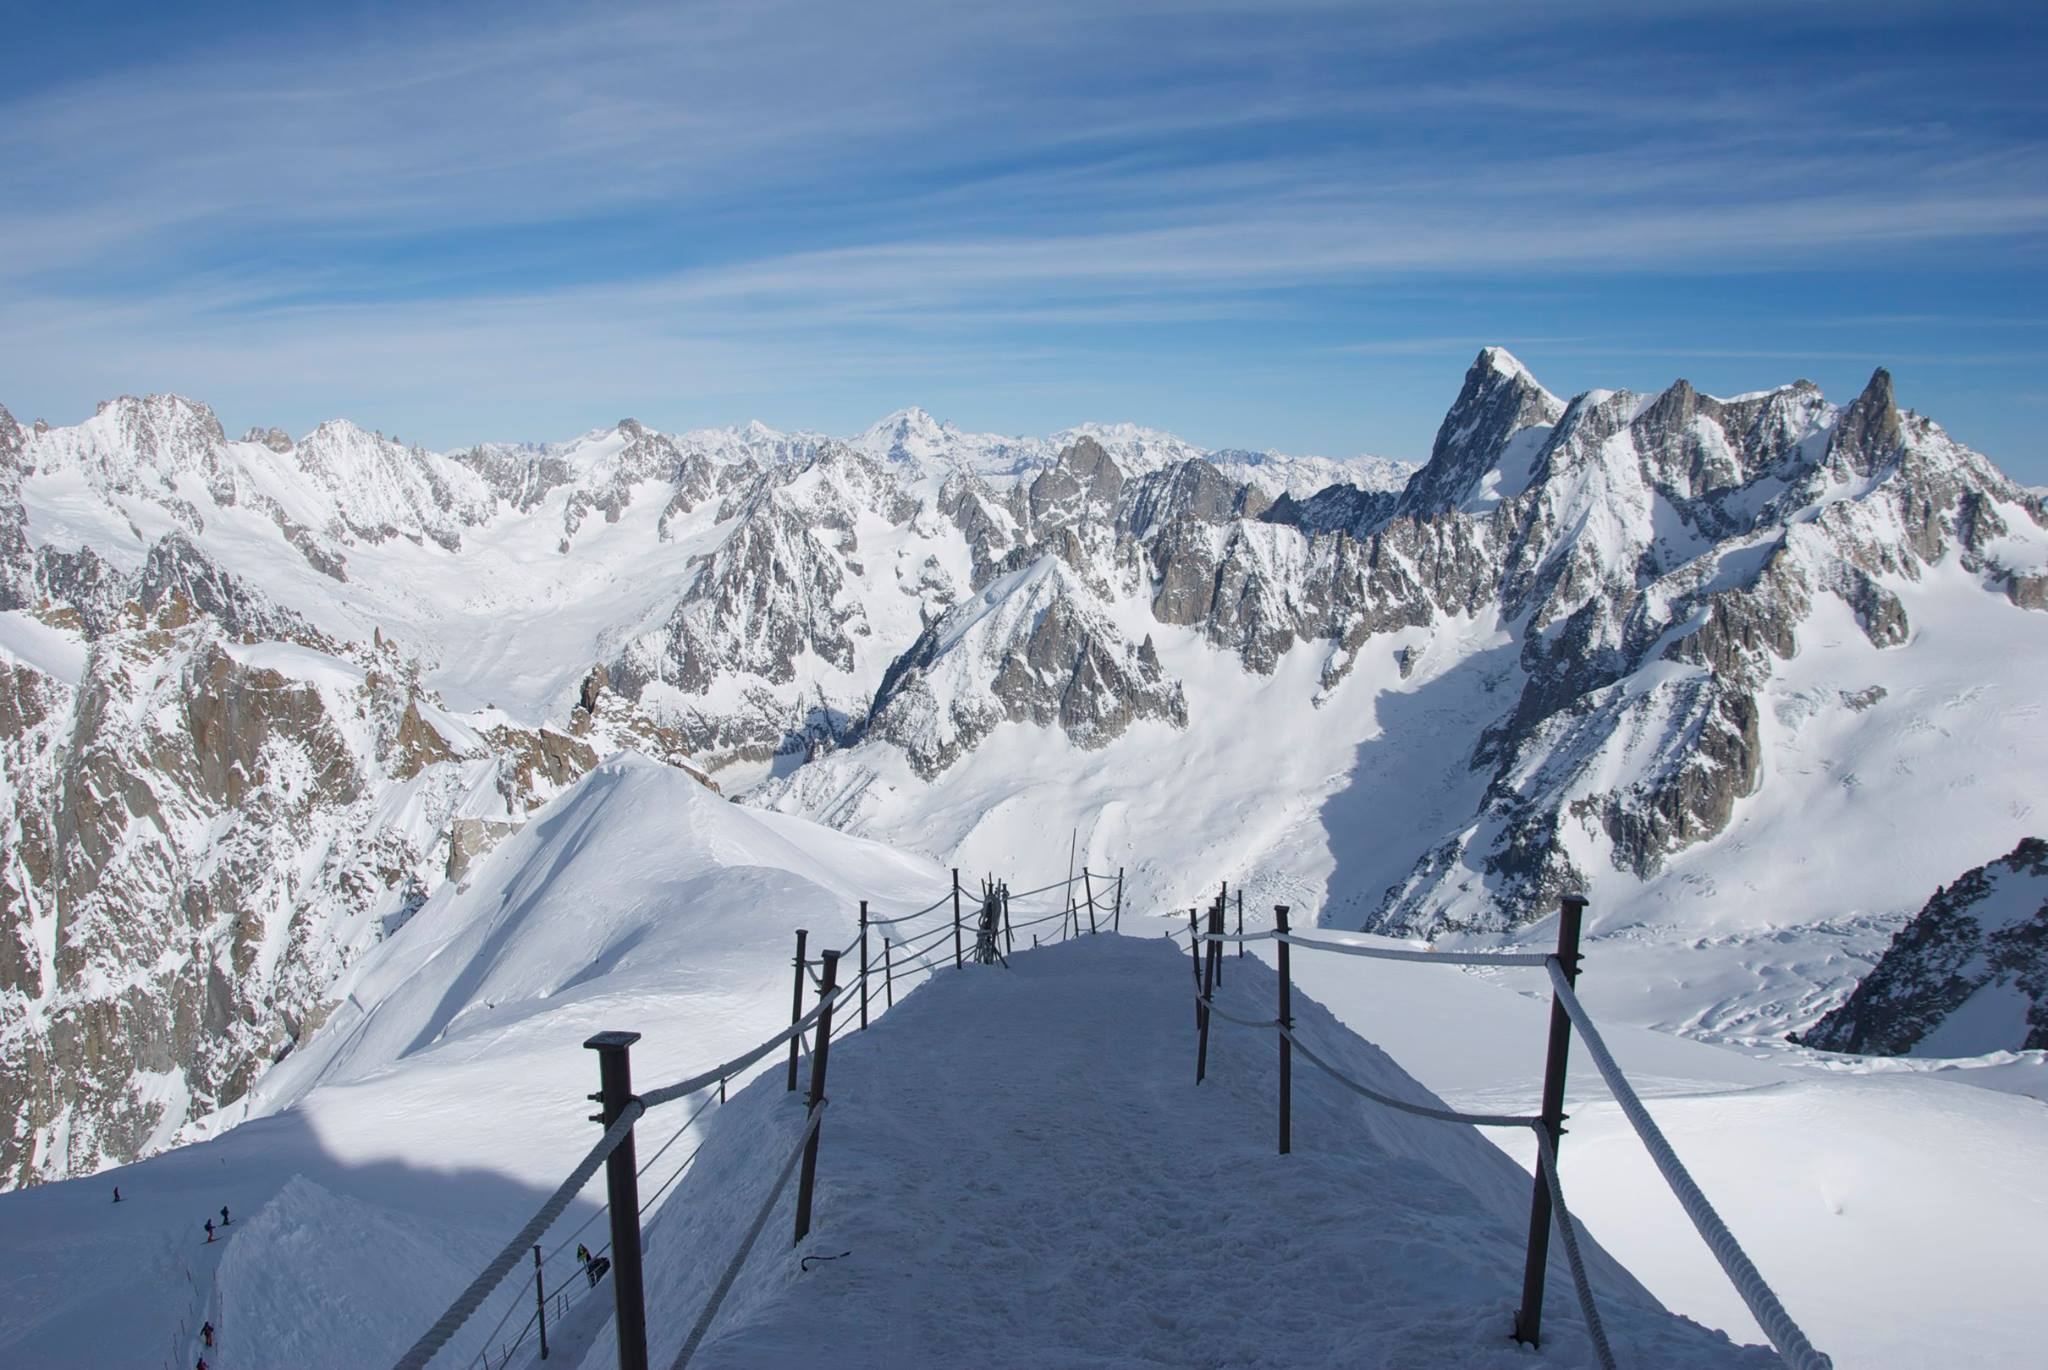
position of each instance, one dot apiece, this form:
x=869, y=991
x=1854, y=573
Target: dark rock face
x=1985, y=935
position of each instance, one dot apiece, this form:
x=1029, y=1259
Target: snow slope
x=431, y=1110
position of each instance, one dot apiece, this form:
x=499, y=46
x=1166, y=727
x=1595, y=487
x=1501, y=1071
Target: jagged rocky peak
x=1500, y=398
x=1868, y=435
x=1035, y=646
x=276, y=439
x=1084, y=480
x=1966, y=976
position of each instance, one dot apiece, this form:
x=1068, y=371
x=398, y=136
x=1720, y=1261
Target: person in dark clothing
x=223, y=1215
x=201, y=1365
x=207, y=1333
x=582, y=1254
x=117, y=1193
x=597, y=1268
x=209, y=1229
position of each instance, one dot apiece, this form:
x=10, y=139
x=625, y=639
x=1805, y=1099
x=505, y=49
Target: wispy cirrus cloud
x=466, y=214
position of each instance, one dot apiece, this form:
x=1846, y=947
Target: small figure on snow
x=117, y=1193
x=201, y=1365
x=207, y=1333
x=223, y=1215
x=582, y=1254
x=209, y=1229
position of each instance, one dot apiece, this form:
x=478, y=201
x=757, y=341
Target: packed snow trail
x=1024, y=1173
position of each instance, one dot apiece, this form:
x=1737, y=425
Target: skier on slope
x=209, y=1229
x=223, y=1215
x=117, y=1193
x=206, y=1332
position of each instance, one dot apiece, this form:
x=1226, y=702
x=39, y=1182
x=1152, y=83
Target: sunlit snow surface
x=1039, y=1128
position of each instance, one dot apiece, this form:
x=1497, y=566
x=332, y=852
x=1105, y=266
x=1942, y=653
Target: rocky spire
x=1869, y=434
x=1499, y=399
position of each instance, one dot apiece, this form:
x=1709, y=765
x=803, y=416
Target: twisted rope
x=1763, y=1304
x=1449, y=958
x=747, y=1244
x=467, y=1302
x=1442, y=1115
x=1569, y=1232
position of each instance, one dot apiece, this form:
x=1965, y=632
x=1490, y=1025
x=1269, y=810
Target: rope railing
x=1762, y=1303
x=916, y=954
x=487, y=1279
x=732, y=1269
x=1548, y=1206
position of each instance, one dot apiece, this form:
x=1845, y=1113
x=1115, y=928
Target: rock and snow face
x=1591, y=643
x=1966, y=977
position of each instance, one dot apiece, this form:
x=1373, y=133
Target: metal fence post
x=622, y=1194
x=540, y=1302
x=1571, y=915
x=1195, y=950
x=1240, y=921
x=888, y=973
x=796, y=1007
x=820, y=1059
x=1009, y=934
x=1216, y=948
x=958, y=959
x=1208, y=992
x=1117, y=918
x=1286, y=1026
x=863, y=965
x=1088, y=888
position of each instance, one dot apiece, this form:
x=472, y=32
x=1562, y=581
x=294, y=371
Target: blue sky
x=1278, y=225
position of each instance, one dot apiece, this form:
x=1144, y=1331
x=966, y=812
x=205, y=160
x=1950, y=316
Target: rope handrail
x=654, y=1098
x=467, y=1302
x=1763, y=1304
x=875, y=922
x=1568, y=1231
x=1449, y=958
x=1227, y=1016
x=1442, y=1115
x=1057, y=884
x=739, y=1259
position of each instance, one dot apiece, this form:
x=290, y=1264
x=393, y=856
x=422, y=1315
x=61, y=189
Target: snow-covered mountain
x=1701, y=657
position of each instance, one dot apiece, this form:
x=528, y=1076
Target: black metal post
x=1287, y=1024
x=622, y=1193
x=1240, y=920
x=957, y=957
x=809, y=1178
x=863, y=965
x=1202, y=1014
x=1571, y=916
x=540, y=1302
x=1117, y=919
x=1088, y=888
x=1195, y=950
x=888, y=974
x=1009, y=935
x=1215, y=949
x=796, y=1007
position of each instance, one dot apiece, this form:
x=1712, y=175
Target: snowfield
x=1017, y=1160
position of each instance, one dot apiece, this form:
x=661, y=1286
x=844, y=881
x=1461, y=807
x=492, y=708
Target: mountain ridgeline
x=259, y=697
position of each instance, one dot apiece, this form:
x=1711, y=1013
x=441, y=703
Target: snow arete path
x=1022, y=1172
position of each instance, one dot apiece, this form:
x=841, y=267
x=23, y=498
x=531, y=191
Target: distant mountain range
x=259, y=697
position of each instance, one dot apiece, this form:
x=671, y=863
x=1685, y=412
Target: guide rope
x=739, y=1258
x=1568, y=1230
x=487, y=1279
x=1762, y=1302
